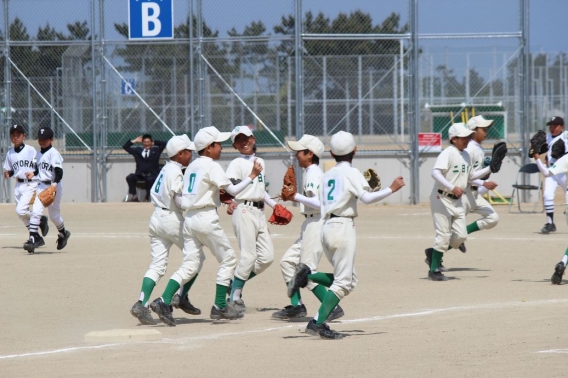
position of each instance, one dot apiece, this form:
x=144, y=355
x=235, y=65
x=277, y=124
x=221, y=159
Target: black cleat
x=548, y=228
x=33, y=243
x=335, y=314
x=428, y=259
x=142, y=314
x=291, y=312
x=237, y=306
x=185, y=305
x=226, y=312
x=436, y=276
x=462, y=248
x=556, y=278
x=299, y=279
x=322, y=330
x=62, y=240
x=164, y=311
x=43, y=226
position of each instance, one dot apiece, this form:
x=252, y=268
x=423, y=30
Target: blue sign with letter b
x=150, y=19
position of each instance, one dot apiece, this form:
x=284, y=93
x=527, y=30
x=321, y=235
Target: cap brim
x=463, y=134
x=296, y=146
x=485, y=123
x=223, y=136
x=191, y=147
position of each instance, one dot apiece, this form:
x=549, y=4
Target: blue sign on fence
x=128, y=86
x=150, y=19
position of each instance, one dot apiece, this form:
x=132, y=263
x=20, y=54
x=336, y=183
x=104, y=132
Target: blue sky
x=547, y=17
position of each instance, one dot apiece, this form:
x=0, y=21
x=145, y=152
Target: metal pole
x=95, y=172
x=525, y=78
x=299, y=50
x=103, y=130
x=289, y=96
x=324, y=98
x=191, y=71
x=414, y=105
x=200, y=71
x=360, y=97
x=277, y=93
x=7, y=195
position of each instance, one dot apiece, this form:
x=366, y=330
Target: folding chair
x=524, y=176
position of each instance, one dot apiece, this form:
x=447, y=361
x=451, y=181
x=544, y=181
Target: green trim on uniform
x=329, y=302
x=220, y=295
x=148, y=285
x=473, y=227
x=295, y=300
x=171, y=289
x=237, y=284
x=320, y=292
x=188, y=285
x=325, y=279
x=436, y=260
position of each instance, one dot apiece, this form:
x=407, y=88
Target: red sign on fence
x=430, y=142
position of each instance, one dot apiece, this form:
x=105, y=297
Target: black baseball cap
x=17, y=129
x=555, y=121
x=45, y=133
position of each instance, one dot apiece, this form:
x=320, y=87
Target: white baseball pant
x=448, y=216
x=23, y=193
x=473, y=202
x=53, y=210
x=550, y=185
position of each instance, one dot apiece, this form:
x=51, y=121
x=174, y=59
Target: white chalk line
x=554, y=351
x=216, y=336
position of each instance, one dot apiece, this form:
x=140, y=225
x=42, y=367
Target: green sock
x=473, y=227
x=237, y=284
x=220, y=295
x=187, y=286
x=327, y=306
x=147, y=288
x=436, y=260
x=320, y=291
x=251, y=275
x=566, y=253
x=325, y=279
x=295, y=300
x=171, y=289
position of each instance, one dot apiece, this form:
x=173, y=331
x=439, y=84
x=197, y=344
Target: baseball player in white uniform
x=340, y=188
x=49, y=172
x=307, y=248
x=452, y=173
x=203, y=179
x=559, y=167
x=20, y=160
x=551, y=183
x=166, y=224
x=249, y=222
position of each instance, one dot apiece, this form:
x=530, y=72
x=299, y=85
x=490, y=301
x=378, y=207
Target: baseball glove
x=47, y=196
x=280, y=215
x=289, y=186
x=373, y=179
x=538, y=143
x=497, y=156
x=225, y=197
x=558, y=149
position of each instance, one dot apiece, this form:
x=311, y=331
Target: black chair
x=523, y=183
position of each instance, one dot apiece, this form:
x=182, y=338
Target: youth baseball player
x=559, y=167
x=341, y=187
x=452, y=172
x=307, y=248
x=49, y=172
x=19, y=161
x=249, y=221
x=551, y=183
x=166, y=224
x=203, y=179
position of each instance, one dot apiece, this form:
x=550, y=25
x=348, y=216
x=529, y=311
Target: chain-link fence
x=343, y=67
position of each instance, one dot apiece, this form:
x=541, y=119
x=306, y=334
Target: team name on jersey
x=464, y=168
x=22, y=164
x=45, y=166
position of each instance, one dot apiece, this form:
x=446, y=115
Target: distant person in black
x=147, y=164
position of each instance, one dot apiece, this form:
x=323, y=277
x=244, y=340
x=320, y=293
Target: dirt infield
x=499, y=315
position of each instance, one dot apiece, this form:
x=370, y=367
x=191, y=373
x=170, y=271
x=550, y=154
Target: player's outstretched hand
x=397, y=184
x=231, y=208
x=256, y=169
x=490, y=185
x=458, y=192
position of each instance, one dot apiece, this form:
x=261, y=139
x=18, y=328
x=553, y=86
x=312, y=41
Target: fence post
x=414, y=105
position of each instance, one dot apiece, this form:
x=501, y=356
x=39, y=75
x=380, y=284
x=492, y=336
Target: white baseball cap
x=240, y=130
x=307, y=142
x=342, y=143
x=459, y=130
x=178, y=143
x=478, y=121
x=208, y=135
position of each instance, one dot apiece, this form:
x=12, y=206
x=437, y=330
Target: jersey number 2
x=330, y=184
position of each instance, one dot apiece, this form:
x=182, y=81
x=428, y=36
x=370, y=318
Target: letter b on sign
x=150, y=19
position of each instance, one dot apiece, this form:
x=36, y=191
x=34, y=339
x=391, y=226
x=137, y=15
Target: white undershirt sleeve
x=369, y=197
x=236, y=189
x=438, y=176
x=269, y=201
x=178, y=200
x=479, y=174
x=312, y=202
x=542, y=168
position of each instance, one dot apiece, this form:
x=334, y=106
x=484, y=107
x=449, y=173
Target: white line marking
x=216, y=336
x=557, y=351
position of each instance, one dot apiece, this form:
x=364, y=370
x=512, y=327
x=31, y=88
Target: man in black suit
x=147, y=163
